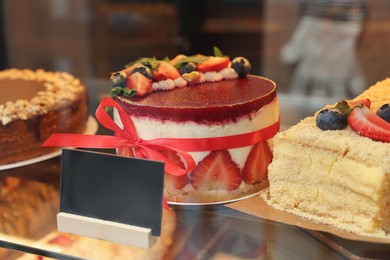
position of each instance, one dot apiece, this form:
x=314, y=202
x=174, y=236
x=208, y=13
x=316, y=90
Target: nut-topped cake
x=35, y=104
x=334, y=167
x=211, y=102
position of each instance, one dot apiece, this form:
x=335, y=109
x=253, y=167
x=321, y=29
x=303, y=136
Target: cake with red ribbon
x=206, y=117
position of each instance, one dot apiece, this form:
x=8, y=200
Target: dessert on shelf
x=97, y=249
x=35, y=104
x=227, y=116
x=334, y=167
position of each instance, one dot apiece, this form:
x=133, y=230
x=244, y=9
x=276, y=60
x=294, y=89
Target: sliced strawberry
x=176, y=59
x=366, y=123
x=216, y=171
x=256, y=166
x=165, y=71
x=140, y=83
x=353, y=103
x=213, y=64
x=172, y=181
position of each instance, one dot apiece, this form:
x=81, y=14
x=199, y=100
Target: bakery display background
x=99, y=36
x=255, y=29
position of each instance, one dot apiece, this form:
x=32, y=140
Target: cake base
x=212, y=197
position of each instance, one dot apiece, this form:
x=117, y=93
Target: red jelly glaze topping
x=206, y=102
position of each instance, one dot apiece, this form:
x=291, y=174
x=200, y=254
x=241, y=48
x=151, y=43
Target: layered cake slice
x=203, y=97
x=334, y=167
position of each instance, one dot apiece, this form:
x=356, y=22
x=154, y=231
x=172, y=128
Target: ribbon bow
x=124, y=137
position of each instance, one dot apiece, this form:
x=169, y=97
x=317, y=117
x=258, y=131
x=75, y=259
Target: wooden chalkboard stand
x=107, y=230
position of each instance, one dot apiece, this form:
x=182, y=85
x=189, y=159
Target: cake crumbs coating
x=60, y=88
x=350, y=227
x=344, y=141
x=331, y=156
x=341, y=142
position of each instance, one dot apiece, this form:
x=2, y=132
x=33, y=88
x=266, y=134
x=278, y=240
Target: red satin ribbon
x=127, y=137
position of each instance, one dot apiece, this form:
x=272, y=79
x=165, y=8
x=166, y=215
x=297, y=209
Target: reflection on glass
x=323, y=47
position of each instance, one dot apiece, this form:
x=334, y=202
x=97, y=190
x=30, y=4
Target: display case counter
x=29, y=204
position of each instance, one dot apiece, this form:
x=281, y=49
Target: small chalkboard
x=113, y=189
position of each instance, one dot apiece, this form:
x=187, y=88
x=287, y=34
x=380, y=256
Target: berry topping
x=216, y=171
x=139, y=83
x=213, y=64
x=242, y=66
x=331, y=119
x=144, y=71
x=165, y=71
x=187, y=67
x=179, y=72
x=256, y=166
x=366, y=123
x=118, y=79
x=355, y=103
x=192, y=78
x=384, y=112
x=172, y=181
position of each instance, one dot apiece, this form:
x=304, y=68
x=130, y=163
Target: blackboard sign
x=112, y=188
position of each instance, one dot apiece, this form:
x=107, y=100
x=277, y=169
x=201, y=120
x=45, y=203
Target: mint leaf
x=129, y=92
x=119, y=91
x=343, y=107
x=116, y=91
x=151, y=63
x=217, y=52
x=195, y=59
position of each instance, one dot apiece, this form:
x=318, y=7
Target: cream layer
x=328, y=187
x=149, y=128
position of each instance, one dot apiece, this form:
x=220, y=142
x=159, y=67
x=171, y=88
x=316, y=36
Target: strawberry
x=213, y=64
x=141, y=84
x=216, y=171
x=165, y=71
x=366, y=123
x=353, y=103
x=172, y=181
x=256, y=166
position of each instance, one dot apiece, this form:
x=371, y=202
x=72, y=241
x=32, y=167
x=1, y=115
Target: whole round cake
x=193, y=98
x=35, y=104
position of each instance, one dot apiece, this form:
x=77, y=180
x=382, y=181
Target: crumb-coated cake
x=203, y=97
x=35, y=104
x=334, y=167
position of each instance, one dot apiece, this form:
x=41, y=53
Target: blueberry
x=331, y=119
x=384, y=112
x=187, y=67
x=144, y=71
x=118, y=79
x=242, y=66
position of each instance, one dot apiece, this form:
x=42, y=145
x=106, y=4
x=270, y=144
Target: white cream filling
x=149, y=128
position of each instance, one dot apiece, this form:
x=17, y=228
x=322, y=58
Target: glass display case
x=92, y=38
